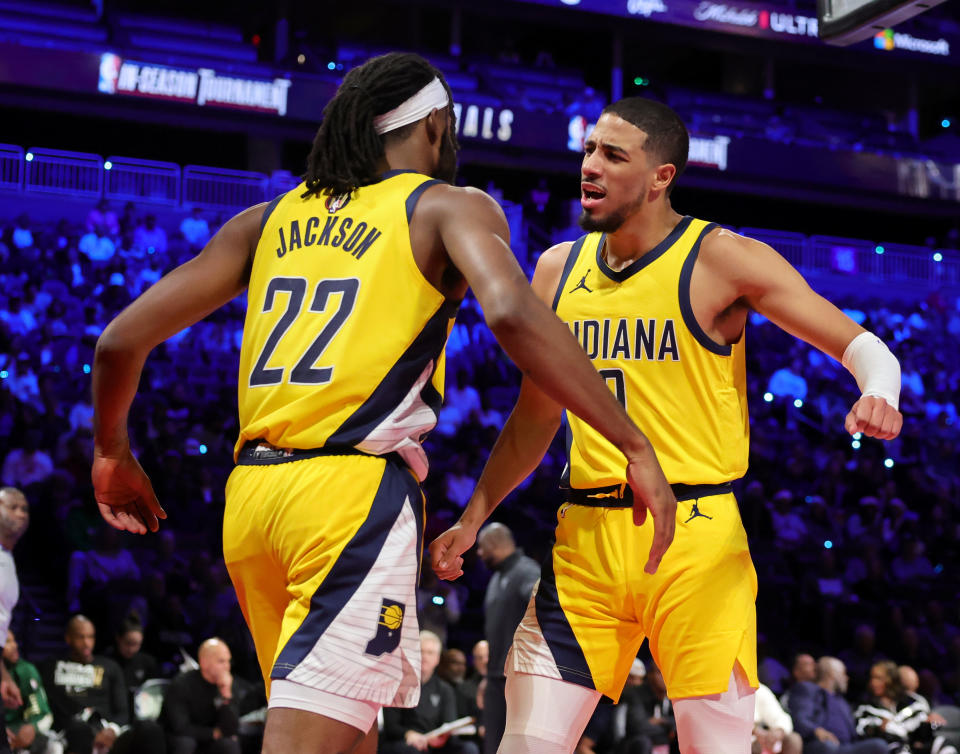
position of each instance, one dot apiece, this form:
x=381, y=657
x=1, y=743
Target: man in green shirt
x=28, y=726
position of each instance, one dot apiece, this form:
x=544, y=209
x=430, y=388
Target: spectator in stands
x=458, y=483
x=773, y=726
x=901, y=718
x=88, y=697
x=453, y=669
x=22, y=236
x=104, y=218
x=404, y=729
x=788, y=526
x=137, y=666
x=17, y=317
x=128, y=219
x=27, y=464
x=861, y=656
x=195, y=229
x=644, y=718
x=97, y=244
x=29, y=725
x=14, y=520
x=104, y=578
x=150, y=238
x=477, y=675
x=202, y=707
x=788, y=381
x=803, y=670
x=912, y=565
x=508, y=593
x=822, y=716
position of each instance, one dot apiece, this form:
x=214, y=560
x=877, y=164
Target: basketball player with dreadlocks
x=353, y=282
x=659, y=302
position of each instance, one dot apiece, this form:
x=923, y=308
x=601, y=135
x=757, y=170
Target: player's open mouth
x=591, y=195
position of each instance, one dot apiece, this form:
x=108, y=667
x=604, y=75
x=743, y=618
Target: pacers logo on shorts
x=389, y=625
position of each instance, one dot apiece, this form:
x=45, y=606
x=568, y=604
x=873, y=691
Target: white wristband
x=875, y=369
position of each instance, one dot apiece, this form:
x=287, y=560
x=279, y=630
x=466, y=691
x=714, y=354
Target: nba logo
x=336, y=203
x=109, y=73
x=389, y=628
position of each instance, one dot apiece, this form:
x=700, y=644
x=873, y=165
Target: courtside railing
x=131, y=179
x=61, y=172
x=11, y=167
x=220, y=189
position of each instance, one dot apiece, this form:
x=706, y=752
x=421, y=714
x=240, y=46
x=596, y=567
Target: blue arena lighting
x=827, y=544
x=4, y=374
x=798, y=403
x=108, y=165
x=879, y=249
x=331, y=66
x=438, y=600
x=855, y=445
x=857, y=435
x=768, y=397
x=86, y=369
x=937, y=257
x=29, y=157
x=945, y=123
x=888, y=463
x=202, y=449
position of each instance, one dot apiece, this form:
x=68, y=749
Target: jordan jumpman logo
x=582, y=284
x=695, y=512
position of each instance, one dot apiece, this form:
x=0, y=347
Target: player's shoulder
x=554, y=258
x=724, y=249
x=443, y=197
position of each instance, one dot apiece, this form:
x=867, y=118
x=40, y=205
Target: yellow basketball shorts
x=324, y=554
x=595, y=604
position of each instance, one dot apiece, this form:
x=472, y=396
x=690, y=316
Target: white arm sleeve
x=875, y=369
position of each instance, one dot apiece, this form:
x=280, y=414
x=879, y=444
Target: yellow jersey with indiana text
x=686, y=392
x=343, y=343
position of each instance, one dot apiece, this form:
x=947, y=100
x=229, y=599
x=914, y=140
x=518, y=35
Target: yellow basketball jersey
x=343, y=342
x=686, y=392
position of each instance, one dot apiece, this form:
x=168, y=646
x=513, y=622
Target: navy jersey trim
x=396, y=487
x=399, y=171
x=567, y=268
x=568, y=449
x=398, y=382
x=268, y=210
x=556, y=629
x=417, y=193
x=686, y=309
x=649, y=258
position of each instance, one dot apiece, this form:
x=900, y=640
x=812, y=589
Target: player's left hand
x=124, y=494
x=874, y=417
x=447, y=549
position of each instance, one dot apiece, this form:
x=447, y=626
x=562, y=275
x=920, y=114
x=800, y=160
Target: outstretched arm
x=557, y=374
x=184, y=296
x=768, y=284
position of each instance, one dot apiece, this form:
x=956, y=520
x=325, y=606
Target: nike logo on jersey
x=582, y=285
x=695, y=513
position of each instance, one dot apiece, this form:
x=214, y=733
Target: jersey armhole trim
x=415, y=195
x=268, y=210
x=686, y=308
x=568, y=268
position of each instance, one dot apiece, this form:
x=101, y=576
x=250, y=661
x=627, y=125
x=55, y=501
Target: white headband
x=432, y=97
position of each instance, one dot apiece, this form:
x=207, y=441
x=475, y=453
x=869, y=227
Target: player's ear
x=436, y=123
x=663, y=176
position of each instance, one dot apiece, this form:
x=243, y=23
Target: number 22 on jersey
x=295, y=288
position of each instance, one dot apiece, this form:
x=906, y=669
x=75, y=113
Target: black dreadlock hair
x=667, y=137
x=347, y=149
